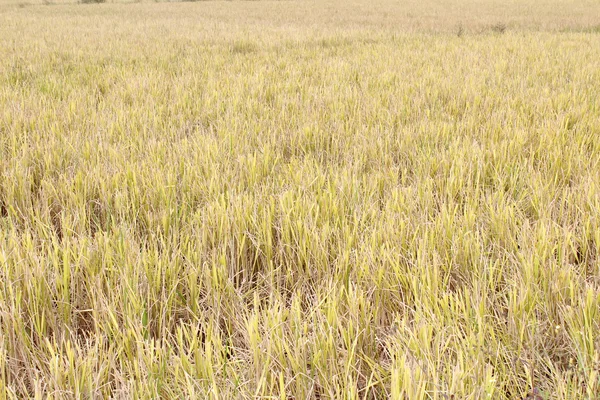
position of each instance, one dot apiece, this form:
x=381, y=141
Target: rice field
x=300, y=200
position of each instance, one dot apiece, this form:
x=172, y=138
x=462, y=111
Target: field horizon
x=300, y=200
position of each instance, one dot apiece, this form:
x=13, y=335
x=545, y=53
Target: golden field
x=300, y=200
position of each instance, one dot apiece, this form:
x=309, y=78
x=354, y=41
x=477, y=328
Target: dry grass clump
x=238, y=200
